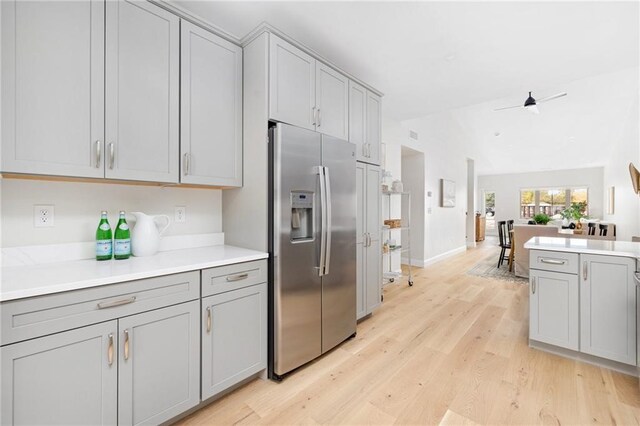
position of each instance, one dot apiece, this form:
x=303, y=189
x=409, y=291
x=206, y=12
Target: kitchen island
x=582, y=300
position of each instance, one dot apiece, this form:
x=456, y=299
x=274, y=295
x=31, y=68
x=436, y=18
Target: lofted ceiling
x=435, y=56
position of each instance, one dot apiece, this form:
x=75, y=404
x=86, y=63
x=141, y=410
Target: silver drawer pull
x=553, y=261
x=238, y=277
x=208, y=319
x=533, y=285
x=126, y=344
x=106, y=305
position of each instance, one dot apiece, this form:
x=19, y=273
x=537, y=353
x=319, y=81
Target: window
x=552, y=201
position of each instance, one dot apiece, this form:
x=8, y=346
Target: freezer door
x=297, y=286
x=339, y=281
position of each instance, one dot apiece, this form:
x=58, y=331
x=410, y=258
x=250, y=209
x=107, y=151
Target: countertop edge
x=532, y=245
x=115, y=279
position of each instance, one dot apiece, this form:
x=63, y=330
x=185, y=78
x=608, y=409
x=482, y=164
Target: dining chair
x=592, y=228
x=504, y=241
x=510, y=230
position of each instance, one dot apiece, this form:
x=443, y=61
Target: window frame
x=536, y=197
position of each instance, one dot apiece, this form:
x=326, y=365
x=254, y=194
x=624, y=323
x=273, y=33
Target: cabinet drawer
x=39, y=316
x=554, y=261
x=226, y=278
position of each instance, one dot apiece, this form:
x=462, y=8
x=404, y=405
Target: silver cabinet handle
x=126, y=344
x=238, y=277
x=313, y=111
x=368, y=239
x=533, y=285
x=585, y=270
x=187, y=163
x=110, y=350
x=553, y=261
x=208, y=319
x=368, y=150
x=98, y=154
x=106, y=305
x=112, y=155
x=319, y=117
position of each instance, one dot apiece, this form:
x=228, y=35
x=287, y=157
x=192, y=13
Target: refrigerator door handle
x=327, y=188
x=323, y=219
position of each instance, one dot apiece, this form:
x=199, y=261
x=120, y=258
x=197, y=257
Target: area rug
x=487, y=269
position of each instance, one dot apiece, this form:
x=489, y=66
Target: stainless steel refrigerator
x=312, y=245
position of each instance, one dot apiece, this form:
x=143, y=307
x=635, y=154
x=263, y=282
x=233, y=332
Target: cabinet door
x=373, y=202
x=211, y=108
x=142, y=69
x=608, y=308
x=158, y=364
x=234, y=337
x=53, y=87
x=292, y=84
x=361, y=191
x=361, y=275
x=374, y=275
x=553, y=306
x=358, y=118
x=332, y=102
x=374, y=127
x=65, y=378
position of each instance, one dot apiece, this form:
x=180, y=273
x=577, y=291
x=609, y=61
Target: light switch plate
x=43, y=216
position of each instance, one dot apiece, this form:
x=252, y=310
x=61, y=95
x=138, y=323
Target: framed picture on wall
x=448, y=193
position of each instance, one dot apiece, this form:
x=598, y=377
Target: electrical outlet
x=180, y=214
x=43, y=216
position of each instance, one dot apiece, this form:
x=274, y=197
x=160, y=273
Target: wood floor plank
x=452, y=350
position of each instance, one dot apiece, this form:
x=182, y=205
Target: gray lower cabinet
x=608, y=307
x=66, y=378
x=554, y=309
x=158, y=364
x=234, y=337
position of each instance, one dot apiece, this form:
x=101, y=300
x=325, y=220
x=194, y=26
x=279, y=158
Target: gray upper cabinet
x=292, y=84
x=608, y=307
x=373, y=137
x=332, y=102
x=142, y=87
x=234, y=337
x=65, y=378
x=211, y=108
x=358, y=118
x=158, y=362
x=53, y=96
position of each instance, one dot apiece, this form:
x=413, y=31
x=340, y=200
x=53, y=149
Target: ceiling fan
x=532, y=105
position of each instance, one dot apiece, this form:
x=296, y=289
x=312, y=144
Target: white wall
x=616, y=173
x=413, y=181
x=507, y=188
x=78, y=206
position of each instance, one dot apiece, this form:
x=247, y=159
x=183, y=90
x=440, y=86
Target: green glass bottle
x=104, y=243
x=122, y=239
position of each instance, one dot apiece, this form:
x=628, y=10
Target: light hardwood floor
x=450, y=350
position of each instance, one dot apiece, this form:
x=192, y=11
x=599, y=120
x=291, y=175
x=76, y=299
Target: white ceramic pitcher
x=145, y=235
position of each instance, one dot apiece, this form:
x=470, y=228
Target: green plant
x=541, y=219
x=575, y=211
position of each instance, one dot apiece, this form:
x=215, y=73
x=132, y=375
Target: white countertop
x=586, y=246
x=17, y=282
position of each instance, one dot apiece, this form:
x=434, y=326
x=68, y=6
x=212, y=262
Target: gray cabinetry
x=332, y=102
x=365, y=129
x=211, y=108
x=142, y=88
x=608, y=307
x=65, y=378
x=158, y=364
x=373, y=137
x=234, y=337
x=554, y=308
x=53, y=87
x=368, y=247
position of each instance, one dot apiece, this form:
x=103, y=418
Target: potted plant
x=541, y=219
x=575, y=211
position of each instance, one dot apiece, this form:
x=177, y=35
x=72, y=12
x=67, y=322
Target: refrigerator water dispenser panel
x=301, y=216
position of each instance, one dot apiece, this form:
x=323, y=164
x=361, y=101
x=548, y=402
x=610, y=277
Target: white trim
x=445, y=255
x=471, y=244
x=414, y=262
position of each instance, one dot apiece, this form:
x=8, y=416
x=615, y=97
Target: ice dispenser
x=301, y=215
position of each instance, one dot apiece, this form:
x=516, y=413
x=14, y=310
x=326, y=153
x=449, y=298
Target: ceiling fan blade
x=509, y=107
x=550, y=98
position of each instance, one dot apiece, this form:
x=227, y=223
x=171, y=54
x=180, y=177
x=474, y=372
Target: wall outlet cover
x=180, y=214
x=43, y=216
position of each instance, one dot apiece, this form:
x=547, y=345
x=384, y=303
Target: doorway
x=489, y=209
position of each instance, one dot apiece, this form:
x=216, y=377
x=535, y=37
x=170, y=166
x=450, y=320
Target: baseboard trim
x=445, y=255
x=419, y=263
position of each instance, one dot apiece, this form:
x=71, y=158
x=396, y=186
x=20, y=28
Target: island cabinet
x=125, y=353
x=608, y=307
x=585, y=303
